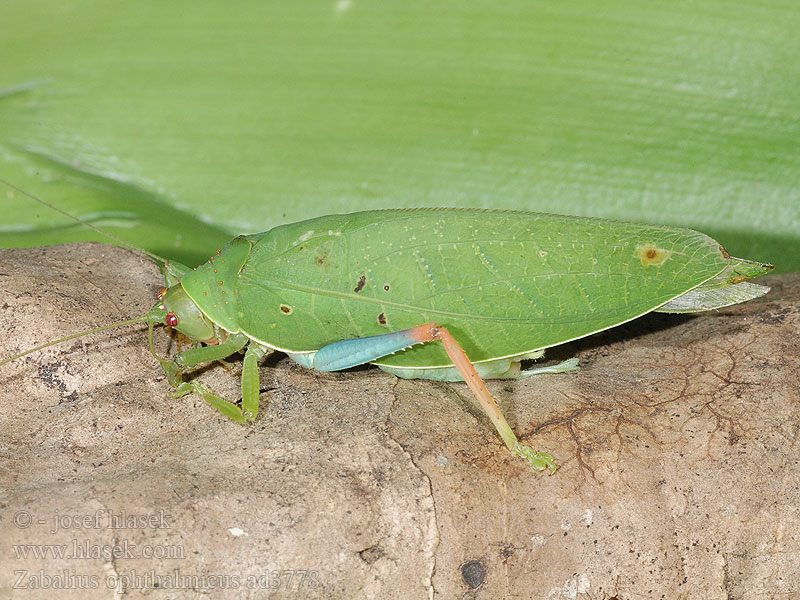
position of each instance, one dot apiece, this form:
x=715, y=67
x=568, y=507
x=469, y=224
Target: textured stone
x=677, y=442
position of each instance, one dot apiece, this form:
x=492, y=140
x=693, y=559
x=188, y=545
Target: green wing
x=504, y=283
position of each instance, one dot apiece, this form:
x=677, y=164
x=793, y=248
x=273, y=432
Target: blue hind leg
x=358, y=351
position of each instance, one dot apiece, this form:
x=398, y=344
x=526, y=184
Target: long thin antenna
x=155, y=316
x=118, y=240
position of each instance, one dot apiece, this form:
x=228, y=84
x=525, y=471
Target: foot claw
x=538, y=460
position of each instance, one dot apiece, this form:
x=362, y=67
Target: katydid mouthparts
x=442, y=294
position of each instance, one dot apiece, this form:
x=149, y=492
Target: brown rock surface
x=680, y=470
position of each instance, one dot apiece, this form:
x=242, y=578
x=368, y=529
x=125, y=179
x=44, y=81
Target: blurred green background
x=176, y=125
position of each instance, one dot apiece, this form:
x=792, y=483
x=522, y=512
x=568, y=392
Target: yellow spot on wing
x=651, y=255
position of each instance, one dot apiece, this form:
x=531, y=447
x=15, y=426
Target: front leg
x=187, y=359
x=174, y=370
x=251, y=388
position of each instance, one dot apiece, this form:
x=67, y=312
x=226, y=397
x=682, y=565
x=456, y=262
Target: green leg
x=174, y=370
x=251, y=384
x=173, y=272
x=495, y=369
x=571, y=364
x=191, y=358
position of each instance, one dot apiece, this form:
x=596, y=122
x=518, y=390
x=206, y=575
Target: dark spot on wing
x=362, y=281
x=382, y=319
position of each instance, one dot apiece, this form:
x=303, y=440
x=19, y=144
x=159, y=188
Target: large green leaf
x=177, y=124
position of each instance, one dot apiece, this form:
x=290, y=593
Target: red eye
x=162, y=293
x=172, y=319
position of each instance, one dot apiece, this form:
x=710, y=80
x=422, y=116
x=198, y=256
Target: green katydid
x=494, y=287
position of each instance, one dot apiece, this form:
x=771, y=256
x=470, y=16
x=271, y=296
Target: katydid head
x=184, y=315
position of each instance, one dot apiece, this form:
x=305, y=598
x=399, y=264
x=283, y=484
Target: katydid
x=495, y=288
